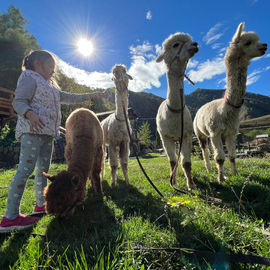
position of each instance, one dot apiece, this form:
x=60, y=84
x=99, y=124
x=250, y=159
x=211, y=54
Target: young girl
x=37, y=103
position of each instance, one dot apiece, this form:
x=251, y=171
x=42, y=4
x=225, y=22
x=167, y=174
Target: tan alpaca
x=114, y=126
x=219, y=119
x=84, y=154
x=177, y=50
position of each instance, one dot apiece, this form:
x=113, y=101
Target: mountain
x=146, y=105
x=255, y=105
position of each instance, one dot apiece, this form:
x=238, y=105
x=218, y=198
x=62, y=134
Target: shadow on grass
x=135, y=203
x=92, y=228
x=250, y=198
x=10, y=252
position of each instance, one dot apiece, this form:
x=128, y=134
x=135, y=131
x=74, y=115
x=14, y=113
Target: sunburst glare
x=85, y=46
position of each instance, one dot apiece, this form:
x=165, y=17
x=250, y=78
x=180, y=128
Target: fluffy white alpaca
x=219, y=119
x=114, y=126
x=177, y=50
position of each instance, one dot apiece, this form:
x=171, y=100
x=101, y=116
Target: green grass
x=113, y=234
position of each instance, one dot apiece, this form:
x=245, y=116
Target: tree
x=144, y=134
x=12, y=20
x=15, y=43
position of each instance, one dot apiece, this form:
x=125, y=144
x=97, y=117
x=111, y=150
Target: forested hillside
x=255, y=105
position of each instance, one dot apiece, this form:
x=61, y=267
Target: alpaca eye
x=176, y=45
x=248, y=43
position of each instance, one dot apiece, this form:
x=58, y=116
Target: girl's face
x=46, y=69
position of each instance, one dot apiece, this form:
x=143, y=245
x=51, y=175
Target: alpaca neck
x=236, y=78
x=175, y=98
x=120, y=101
x=79, y=171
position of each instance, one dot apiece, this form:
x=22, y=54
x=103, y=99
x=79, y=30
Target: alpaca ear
x=160, y=58
x=130, y=77
x=238, y=32
x=49, y=176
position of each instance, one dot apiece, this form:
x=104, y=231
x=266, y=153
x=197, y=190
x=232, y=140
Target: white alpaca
x=219, y=119
x=177, y=50
x=114, y=126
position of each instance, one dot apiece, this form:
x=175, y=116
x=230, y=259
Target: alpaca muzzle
x=263, y=49
x=194, y=49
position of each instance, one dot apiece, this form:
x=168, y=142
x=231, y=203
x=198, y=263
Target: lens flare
x=85, y=47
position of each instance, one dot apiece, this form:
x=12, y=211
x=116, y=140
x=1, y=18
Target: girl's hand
x=36, y=124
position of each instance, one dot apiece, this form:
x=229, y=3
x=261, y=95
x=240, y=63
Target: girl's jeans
x=36, y=151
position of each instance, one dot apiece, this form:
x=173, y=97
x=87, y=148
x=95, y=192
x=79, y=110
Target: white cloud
x=253, y=2
x=207, y=70
x=144, y=69
x=216, y=46
x=148, y=15
x=223, y=50
x=267, y=55
x=223, y=82
x=158, y=49
x=141, y=49
x=255, y=75
x=213, y=34
x=91, y=79
x=252, y=78
x=192, y=63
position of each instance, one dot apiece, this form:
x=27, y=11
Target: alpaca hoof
x=191, y=186
x=221, y=179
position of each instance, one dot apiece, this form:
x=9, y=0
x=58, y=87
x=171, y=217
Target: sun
x=85, y=46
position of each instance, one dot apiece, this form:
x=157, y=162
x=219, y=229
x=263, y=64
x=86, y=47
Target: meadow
x=134, y=228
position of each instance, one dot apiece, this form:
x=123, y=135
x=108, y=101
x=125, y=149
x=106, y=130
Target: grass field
x=133, y=228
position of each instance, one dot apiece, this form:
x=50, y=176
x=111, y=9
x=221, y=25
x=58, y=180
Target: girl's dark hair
x=39, y=55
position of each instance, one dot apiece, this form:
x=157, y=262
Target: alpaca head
x=121, y=78
x=246, y=44
x=177, y=50
x=63, y=194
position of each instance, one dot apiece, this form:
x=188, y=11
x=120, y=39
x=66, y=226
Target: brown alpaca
x=84, y=154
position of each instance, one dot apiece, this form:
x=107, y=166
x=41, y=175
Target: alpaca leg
x=230, y=144
x=124, y=153
x=96, y=181
x=103, y=163
x=185, y=161
x=203, y=140
x=113, y=156
x=219, y=156
x=170, y=148
x=97, y=170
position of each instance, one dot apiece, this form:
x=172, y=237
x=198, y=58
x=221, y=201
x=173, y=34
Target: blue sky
x=132, y=32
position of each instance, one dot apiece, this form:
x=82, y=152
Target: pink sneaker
x=38, y=210
x=19, y=223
